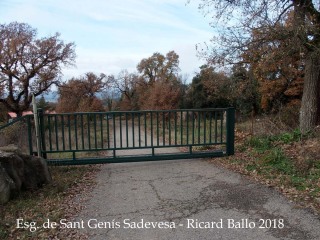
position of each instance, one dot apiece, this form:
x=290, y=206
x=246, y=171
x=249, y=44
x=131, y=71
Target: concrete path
x=189, y=199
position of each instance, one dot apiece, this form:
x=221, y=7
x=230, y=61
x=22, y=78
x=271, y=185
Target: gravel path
x=188, y=199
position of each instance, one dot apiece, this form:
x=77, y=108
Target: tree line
x=265, y=56
x=158, y=84
x=279, y=41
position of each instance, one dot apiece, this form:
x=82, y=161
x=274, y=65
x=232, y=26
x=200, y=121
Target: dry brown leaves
x=74, y=202
x=298, y=152
x=62, y=199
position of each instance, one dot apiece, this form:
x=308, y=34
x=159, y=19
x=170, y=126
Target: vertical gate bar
x=132, y=120
x=69, y=132
x=108, y=132
x=145, y=129
x=193, y=127
x=42, y=134
x=114, y=133
x=181, y=127
x=230, y=131
x=127, y=133
x=95, y=130
x=120, y=127
x=29, y=135
x=169, y=119
x=199, y=126
x=221, y=127
x=215, y=127
x=56, y=130
x=82, y=131
x=175, y=127
x=205, y=126
x=76, y=130
x=163, y=129
x=210, y=127
x=139, y=128
x=62, y=131
x=188, y=127
x=198, y=120
x=158, y=128
x=49, y=129
x=101, y=129
x=89, y=136
x=151, y=123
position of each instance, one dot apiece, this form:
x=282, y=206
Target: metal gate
x=109, y=137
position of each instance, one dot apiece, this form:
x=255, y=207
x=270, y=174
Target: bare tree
x=126, y=83
x=29, y=65
x=236, y=20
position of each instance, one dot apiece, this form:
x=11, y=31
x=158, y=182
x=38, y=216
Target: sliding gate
x=108, y=137
x=86, y=138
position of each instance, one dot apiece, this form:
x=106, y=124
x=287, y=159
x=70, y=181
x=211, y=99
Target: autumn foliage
x=161, y=95
x=277, y=66
x=78, y=95
x=157, y=84
x=29, y=65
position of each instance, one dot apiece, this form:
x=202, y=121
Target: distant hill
x=51, y=96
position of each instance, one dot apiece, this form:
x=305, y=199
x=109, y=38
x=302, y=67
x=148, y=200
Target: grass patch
x=48, y=202
x=288, y=161
x=259, y=144
x=251, y=167
x=270, y=161
x=298, y=182
x=288, y=137
x=264, y=143
x=276, y=160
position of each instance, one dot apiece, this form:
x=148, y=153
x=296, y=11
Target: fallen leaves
x=304, y=154
x=62, y=199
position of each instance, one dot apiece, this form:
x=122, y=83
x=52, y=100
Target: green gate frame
x=201, y=132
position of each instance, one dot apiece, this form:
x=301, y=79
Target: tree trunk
x=309, y=110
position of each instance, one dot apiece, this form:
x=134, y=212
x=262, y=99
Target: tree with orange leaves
x=160, y=85
x=267, y=17
x=29, y=65
x=79, y=95
x=277, y=66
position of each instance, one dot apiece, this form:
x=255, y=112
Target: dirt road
x=189, y=199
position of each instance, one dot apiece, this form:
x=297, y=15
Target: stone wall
x=20, y=172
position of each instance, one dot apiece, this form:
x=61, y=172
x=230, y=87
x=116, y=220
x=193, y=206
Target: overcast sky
x=114, y=35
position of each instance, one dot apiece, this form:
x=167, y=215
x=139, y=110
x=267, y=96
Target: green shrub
x=261, y=144
x=298, y=182
x=289, y=137
x=279, y=161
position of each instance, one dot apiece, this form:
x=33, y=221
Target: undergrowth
x=49, y=202
x=290, y=160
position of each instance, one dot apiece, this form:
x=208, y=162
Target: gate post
x=230, y=131
x=42, y=134
x=29, y=135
